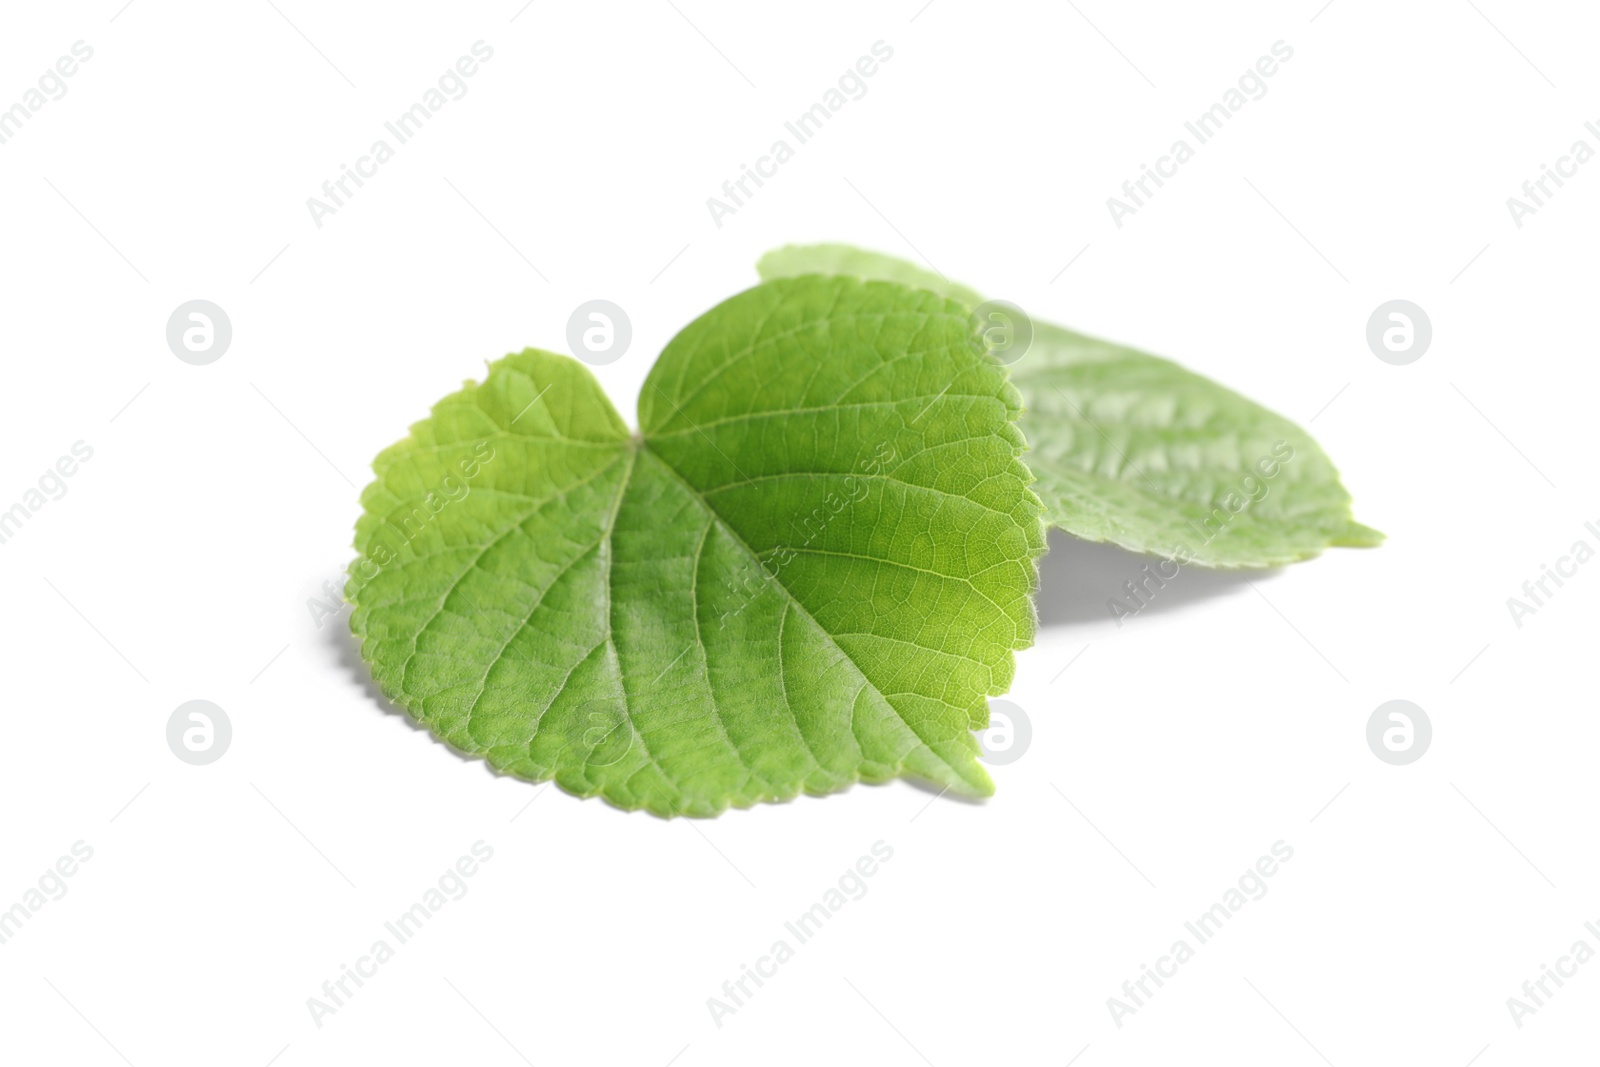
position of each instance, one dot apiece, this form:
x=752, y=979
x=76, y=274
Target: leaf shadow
x=347, y=650
x=1077, y=578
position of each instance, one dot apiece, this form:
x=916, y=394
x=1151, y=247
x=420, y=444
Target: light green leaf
x=811, y=566
x=792, y=260
x=1138, y=451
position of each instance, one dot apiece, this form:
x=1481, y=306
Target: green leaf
x=810, y=567
x=1136, y=450
x=792, y=260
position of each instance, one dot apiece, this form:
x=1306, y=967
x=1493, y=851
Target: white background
x=1171, y=753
